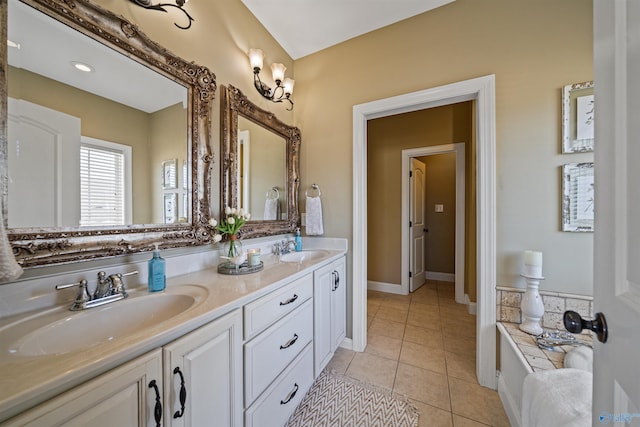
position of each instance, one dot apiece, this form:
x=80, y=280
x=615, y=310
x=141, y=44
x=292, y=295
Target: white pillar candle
x=533, y=264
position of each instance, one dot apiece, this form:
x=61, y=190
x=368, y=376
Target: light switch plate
x=303, y=219
x=439, y=208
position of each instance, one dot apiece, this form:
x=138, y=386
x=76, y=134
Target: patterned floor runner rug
x=338, y=401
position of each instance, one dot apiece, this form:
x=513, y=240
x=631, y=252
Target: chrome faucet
x=109, y=289
x=284, y=247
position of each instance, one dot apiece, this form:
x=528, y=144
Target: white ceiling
x=303, y=27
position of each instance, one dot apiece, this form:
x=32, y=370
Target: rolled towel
x=557, y=398
x=270, y=209
x=580, y=358
x=314, y=217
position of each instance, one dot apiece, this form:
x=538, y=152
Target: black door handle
x=575, y=324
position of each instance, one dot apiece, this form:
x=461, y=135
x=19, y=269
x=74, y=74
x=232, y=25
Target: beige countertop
x=28, y=380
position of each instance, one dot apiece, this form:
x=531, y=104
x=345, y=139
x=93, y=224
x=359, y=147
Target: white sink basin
x=59, y=332
x=302, y=256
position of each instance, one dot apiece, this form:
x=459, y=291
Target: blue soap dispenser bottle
x=157, y=278
x=298, y=241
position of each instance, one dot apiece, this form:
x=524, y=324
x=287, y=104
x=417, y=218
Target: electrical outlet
x=439, y=208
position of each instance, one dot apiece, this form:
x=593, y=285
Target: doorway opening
x=409, y=226
x=482, y=90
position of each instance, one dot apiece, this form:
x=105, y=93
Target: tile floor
x=422, y=346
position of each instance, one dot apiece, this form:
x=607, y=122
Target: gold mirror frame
x=235, y=103
x=44, y=246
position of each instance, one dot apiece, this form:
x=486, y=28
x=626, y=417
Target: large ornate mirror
x=105, y=161
x=260, y=165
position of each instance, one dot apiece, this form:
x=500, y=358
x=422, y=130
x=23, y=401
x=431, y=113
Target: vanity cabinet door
x=203, y=375
x=329, y=298
x=121, y=397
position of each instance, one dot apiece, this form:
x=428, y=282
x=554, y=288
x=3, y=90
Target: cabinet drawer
x=273, y=350
x=264, y=311
x=276, y=405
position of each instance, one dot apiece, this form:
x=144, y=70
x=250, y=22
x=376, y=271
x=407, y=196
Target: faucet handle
x=82, y=296
x=117, y=284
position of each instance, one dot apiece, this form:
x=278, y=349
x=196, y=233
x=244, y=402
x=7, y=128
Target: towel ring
x=315, y=187
x=273, y=192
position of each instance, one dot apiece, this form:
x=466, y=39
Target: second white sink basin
x=303, y=256
x=59, y=333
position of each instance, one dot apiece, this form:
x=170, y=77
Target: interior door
x=616, y=385
x=417, y=218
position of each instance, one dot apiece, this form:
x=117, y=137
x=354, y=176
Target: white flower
x=247, y=216
x=231, y=220
x=227, y=210
x=233, y=211
x=213, y=222
x=217, y=238
x=240, y=212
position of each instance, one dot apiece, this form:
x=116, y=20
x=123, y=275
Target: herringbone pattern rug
x=338, y=401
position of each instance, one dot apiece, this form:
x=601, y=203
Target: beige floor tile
x=391, y=313
x=476, y=403
x=423, y=385
x=341, y=360
x=382, y=346
x=428, y=337
x=463, y=346
x=387, y=328
x=430, y=416
x=461, y=367
x=459, y=421
x=459, y=330
x=423, y=357
x=428, y=297
x=373, y=369
x=424, y=319
x=398, y=305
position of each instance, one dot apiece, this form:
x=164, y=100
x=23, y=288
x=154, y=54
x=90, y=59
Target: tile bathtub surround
x=422, y=346
x=538, y=359
x=555, y=304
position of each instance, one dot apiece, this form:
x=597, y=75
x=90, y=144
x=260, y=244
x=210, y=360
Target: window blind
x=102, y=186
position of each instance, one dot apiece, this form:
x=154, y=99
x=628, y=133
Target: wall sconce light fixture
x=161, y=6
x=284, y=86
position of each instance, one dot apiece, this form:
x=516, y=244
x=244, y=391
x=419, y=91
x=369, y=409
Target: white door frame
x=482, y=90
x=405, y=252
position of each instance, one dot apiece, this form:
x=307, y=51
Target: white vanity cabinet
x=205, y=363
x=125, y=396
x=203, y=375
x=330, y=311
x=278, y=355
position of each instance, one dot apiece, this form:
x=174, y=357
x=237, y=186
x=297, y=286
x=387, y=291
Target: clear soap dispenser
x=157, y=278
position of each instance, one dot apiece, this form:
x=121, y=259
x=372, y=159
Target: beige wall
x=533, y=48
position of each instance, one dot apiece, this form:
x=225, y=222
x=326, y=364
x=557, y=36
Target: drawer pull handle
x=157, y=409
x=290, y=300
x=291, y=395
x=291, y=342
x=183, y=393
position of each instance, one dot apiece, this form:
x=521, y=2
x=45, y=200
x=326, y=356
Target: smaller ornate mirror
x=260, y=166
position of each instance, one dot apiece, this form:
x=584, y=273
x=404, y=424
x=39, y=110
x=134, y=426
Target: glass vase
x=232, y=248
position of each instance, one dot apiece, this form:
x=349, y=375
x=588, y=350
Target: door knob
x=575, y=324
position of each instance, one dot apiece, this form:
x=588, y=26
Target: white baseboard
x=508, y=402
x=347, y=344
x=471, y=306
x=390, y=288
x=441, y=277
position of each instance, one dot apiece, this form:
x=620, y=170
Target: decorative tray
x=244, y=268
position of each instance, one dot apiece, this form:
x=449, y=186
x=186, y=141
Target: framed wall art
x=577, y=197
x=169, y=174
x=578, y=112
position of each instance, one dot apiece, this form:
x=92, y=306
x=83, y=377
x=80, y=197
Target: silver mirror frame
x=234, y=103
x=44, y=246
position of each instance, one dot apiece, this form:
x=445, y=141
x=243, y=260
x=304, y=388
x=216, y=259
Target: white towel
x=579, y=358
x=557, y=398
x=9, y=268
x=270, y=209
x=314, y=216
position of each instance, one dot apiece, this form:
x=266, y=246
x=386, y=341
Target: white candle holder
x=532, y=307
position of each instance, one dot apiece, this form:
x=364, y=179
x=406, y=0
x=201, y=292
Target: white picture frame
x=578, y=109
x=170, y=174
x=578, y=197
